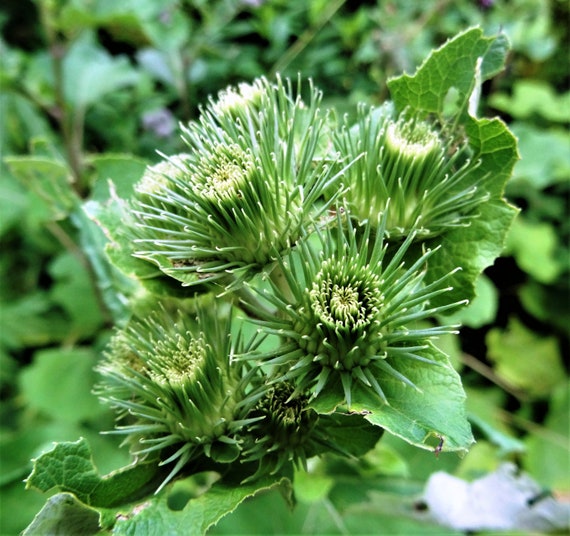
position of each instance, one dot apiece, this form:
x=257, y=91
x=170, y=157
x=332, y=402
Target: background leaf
x=49, y=179
x=535, y=248
x=64, y=514
x=95, y=73
x=534, y=97
x=56, y=378
x=524, y=359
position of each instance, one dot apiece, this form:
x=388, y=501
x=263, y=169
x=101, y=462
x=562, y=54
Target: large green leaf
x=453, y=69
x=473, y=249
x=422, y=416
x=495, y=147
x=350, y=432
x=456, y=68
x=64, y=514
x=69, y=467
x=199, y=514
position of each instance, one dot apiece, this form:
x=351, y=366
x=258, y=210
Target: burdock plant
x=290, y=277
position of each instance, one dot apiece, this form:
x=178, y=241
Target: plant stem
x=71, y=127
x=305, y=38
x=487, y=372
x=67, y=242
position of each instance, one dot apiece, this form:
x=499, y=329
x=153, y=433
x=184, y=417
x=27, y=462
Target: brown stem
x=184, y=88
x=71, y=128
x=487, y=372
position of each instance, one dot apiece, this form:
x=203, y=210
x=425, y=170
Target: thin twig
x=305, y=38
x=487, y=372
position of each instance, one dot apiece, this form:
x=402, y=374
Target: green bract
x=244, y=191
x=427, y=176
x=177, y=394
x=349, y=310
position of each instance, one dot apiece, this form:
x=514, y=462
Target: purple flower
x=160, y=122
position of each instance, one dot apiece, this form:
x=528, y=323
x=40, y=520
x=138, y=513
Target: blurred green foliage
x=90, y=90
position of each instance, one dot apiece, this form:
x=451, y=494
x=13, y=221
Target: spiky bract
x=177, y=393
x=348, y=311
x=427, y=176
x=240, y=197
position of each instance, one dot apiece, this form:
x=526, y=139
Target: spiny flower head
x=222, y=174
x=239, y=101
x=177, y=393
x=244, y=191
x=287, y=430
x=159, y=177
x=348, y=309
x=429, y=178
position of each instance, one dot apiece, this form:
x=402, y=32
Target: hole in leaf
x=190, y=488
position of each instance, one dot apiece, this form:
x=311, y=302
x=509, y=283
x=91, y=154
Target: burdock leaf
x=352, y=432
x=69, y=467
x=495, y=147
x=424, y=417
x=436, y=410
x=450, y=70
x=456, y=68
x=199, y=514
x=47, y=178
x=473, y=248
x=64, y=514
x=112, y=216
